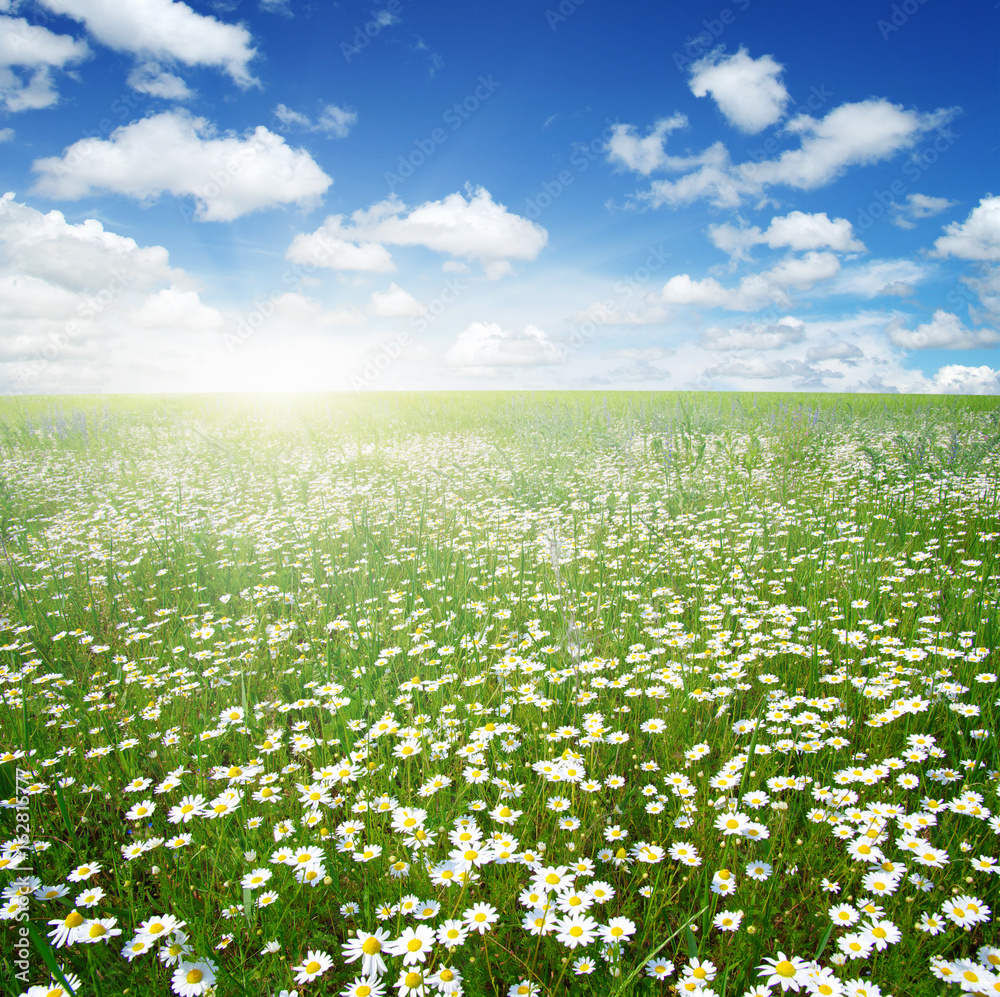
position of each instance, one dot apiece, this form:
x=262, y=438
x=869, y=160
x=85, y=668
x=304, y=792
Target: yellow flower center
x=371, y=946
x=414, y=945
x=194, y=976
x=312, y=967
x=785, y=968
x=73, y=919
x=412, y=979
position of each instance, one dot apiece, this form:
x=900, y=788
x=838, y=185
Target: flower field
x=500, y=694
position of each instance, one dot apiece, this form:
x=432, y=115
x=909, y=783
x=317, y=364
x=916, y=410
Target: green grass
x=790, y=587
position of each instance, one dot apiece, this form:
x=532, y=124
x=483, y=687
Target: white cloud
x=326, y=247
x=394, y=302
x=80, y=257
x=855, y=134
x=761, y=368
x=877, y=277
x=797, y=230
x=803, y=271
x=785, y=332
x=82, y=308
x=333, y=120
x=172, y=308
x=987, y=288
x=837, y=349
x=639, y=370
x=749, y=92
x=164, y=30
x=6, y=134
x=754, y=292
x=919, y=206
x=336, y=121
x=299, y=309
x=478, y=229
x=181, y=155
x=850, y=135
x=642, y=155
x=488, y=345
x=639, y=353
x=37, y=51
x=944, y=331
x=977, y=238
x=151, y=78
x=954, y=379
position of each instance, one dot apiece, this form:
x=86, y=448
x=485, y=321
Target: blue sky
x=280, y=195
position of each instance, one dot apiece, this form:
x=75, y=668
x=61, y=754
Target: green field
x=500, y=694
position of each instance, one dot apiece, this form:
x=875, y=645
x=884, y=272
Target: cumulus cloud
x=852, y=134
x=173, y=308
x=78, y=257
x=28, y=54
x=761, y=368
x=151, y=78
x=80, y=305
x=749, y=92
x=869, y=280
x=164, y=30
x=803, y=271
x=918, y=206
x=639, y=370
x=394, y=302
x=472, y=228
x=174, y=153
x=639, y=353
x=326, y=247
x=977, y=238
x=954, y=379
x=488, y=345
x=785, y=332
x=298, y=309
x=837, y=349
x=753, y=292
x=798, y=230
x=944, y=331
x=646, y=154
x=333, y=120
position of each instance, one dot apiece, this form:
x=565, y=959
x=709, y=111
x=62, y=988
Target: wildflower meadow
x=399, y=695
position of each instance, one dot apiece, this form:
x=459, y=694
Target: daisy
x=728, y=920
x=141, y=810
x=759, y=870
x=267, y=898
x=315, y=964
x=368, y=948
x=98, y=929
x=155, y=928
x=413, y=945
x=856, y=944
x=64, y=928
x=617, y=930
x=189, y=808
x=411, y=983
x=82, y=872
x=193, y=978
x=701, y=972
x=255, y=879
x=577, y=929
x=883, y=933
x=480, y=917
x=789, y=973
x=446, y=980
x=843, y=915
x=539, y=922
x=452, y=933
x=601, y=892
x=364, y=986
x=659, y=969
